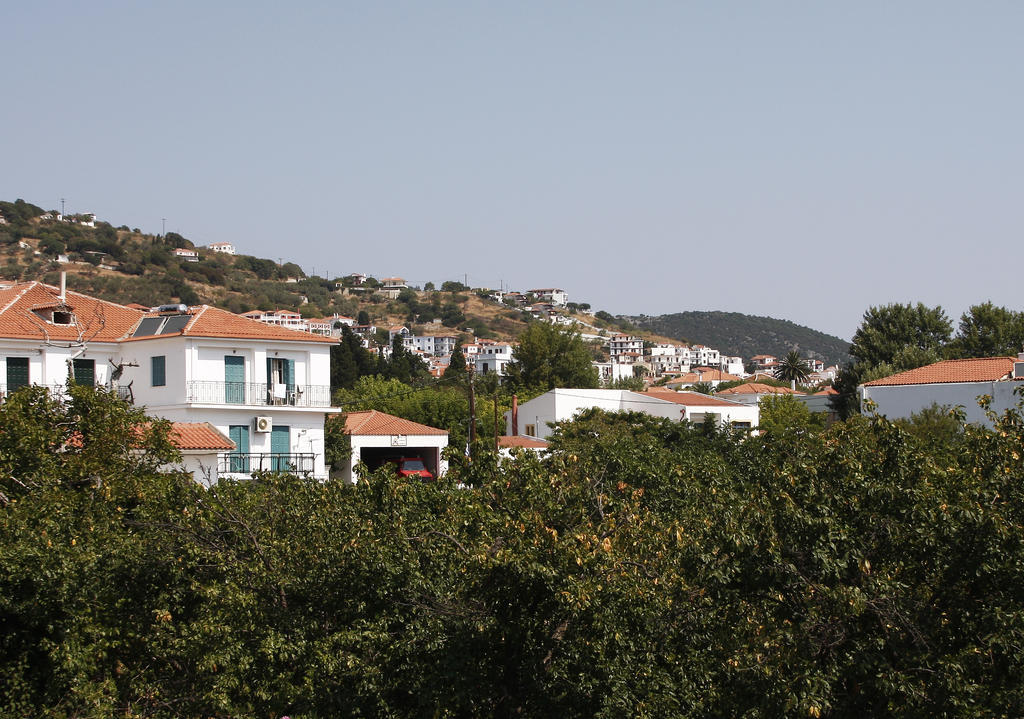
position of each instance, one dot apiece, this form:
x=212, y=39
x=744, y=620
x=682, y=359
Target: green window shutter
x=85, y=372
x=289, y=375
x=234, y=379
x=159, y=367
x=239, y=457
x=280, y=444
x=17, y=373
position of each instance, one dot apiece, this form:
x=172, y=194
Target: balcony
x=258, y=394
x=232, y=463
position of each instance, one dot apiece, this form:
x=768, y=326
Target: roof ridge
x=18, y=296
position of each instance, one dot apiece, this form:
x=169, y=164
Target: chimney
x=515, y=416
x=63, y=285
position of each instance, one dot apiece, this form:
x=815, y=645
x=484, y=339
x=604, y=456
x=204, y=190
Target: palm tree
x=793, y=368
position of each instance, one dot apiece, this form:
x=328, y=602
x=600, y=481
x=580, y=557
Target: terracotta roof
x=758, y=388
x=986, y=369
x=95, y=320
x=827, y=390
x=520, y=441
x=210, y=321
x=198, y=435
x=372, y=422
x=690, y=399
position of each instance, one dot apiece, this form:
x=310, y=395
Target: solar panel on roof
x=148, y=326
x=175, y=324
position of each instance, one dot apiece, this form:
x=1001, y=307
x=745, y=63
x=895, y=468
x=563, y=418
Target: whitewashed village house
x=264, y=387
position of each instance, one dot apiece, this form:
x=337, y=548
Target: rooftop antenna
x=62, y=207
x=163, y=225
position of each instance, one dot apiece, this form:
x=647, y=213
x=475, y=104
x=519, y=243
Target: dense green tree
x=903, y=336
x=548, y=356
x=453, y=286
x=363, y=318
x=456, y=374
x=792, y=368
x=987, y=331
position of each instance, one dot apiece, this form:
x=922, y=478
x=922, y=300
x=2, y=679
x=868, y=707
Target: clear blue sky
x=798, y=160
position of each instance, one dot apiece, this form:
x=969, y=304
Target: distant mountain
x=734, y=333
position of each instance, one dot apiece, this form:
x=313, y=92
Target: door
x=239, y=458
x=234, y=380
x=281, y=449
x=17, y=373
x=280, y=381
x=84, y=371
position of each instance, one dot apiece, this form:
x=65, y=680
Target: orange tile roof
x=372, y=422
x=198, y=435
x=210, y=321
x=985, y=369
x=525, y=442
x=690, y=399
x=95, y=320
x=758, y=388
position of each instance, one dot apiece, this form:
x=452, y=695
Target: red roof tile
x=372, y=422
x=198, y=435
x=758, y=388
x=94, y=320
x=986, y=369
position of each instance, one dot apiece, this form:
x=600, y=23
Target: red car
x=413, y=467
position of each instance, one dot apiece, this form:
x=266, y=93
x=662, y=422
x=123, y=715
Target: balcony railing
x=258, y=393
x=61, y=390
x=232, y=463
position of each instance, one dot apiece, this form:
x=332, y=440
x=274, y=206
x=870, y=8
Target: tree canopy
x=547, y=357
x=644, y=567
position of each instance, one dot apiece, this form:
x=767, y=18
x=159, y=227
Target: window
x=84, y=371
x=158, y=367
x=17, y=373
x=531, y=430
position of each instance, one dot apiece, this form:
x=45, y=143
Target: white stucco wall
x=900, y=401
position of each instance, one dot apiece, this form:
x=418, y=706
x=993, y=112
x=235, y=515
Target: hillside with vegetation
x=126, y=265
x=737, y=334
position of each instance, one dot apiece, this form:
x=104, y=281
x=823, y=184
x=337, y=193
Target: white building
x=391, y=287
x=625, y=345
x=535, y=416
x=279, y=318
x=731, y=365
x=185, y=254
x=267, y=388
x=224, y=247
x=554, y=295
x=492, y=357
x=378, y=438
x=611, y=372
x=434, y=345
x=703, y=356
x=952, y=383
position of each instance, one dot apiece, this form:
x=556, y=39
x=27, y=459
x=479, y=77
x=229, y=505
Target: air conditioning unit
x=262, y=424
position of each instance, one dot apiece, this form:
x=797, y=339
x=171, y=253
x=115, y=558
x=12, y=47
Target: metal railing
x=234, y=463
x=258, y=393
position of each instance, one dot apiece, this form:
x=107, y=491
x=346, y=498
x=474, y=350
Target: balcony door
x=239, y=456
x=234, y=379
x=280, y=381
x=281, y=448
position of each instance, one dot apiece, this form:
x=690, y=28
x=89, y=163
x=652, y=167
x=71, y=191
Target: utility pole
x=496, y=386
x=62, y=207
x=472, y=414
x=163, y=225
